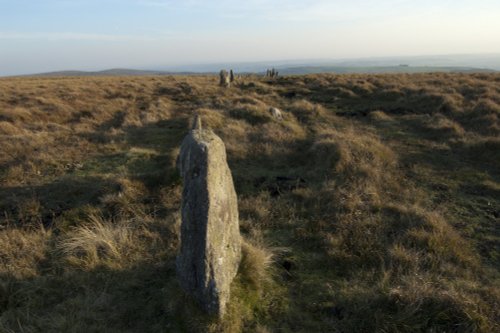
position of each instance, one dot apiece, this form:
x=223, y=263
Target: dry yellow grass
x=371, y=207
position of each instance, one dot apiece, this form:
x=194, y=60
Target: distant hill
x=291, y=70
x=476, y=63
x=380, y=69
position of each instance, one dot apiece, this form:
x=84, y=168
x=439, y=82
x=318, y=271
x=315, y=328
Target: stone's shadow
x=43, y=203
x=138, y=299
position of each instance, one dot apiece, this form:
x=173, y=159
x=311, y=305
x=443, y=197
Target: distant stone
x=276, y=113
x=210, y=251
x=224, y=79
x=272, y=73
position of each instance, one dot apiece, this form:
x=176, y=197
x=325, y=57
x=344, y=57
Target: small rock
x=276, y=113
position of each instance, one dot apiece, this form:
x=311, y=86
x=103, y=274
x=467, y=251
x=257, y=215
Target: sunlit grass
x=371, y=206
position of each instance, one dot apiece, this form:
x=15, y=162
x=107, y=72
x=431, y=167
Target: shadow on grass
x=163, y=137
x=140, y=299
x=259, y=171
x=23, y=206
x=136, y=294
x=150, y=158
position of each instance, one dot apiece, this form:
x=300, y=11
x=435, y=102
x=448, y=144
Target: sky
x=48, y=35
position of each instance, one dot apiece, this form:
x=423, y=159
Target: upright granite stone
x=224, y=79
x=232, y=78
x=210, y=239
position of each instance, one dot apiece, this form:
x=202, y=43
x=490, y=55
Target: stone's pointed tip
x=197, y=123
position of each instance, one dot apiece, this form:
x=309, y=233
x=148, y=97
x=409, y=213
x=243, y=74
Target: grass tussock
x=256, y=266
x=371, y=207
x=378, y=115
x=98, y=243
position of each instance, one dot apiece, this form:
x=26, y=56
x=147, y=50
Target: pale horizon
x=52, y=35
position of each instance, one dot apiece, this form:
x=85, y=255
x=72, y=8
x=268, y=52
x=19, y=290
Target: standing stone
x=224, y=79
x=272, y=73
x=231, y=76
x=210, y=250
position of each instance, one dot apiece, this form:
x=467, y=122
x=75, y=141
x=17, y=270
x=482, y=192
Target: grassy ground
x=372, y=207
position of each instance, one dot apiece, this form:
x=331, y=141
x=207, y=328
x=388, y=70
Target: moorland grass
x=372, y=207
